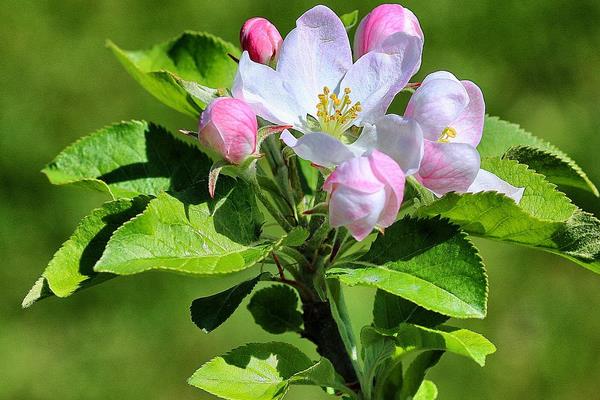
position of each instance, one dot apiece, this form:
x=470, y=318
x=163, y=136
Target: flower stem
x=281, y=220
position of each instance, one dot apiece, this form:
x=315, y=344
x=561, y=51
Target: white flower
x=319, y=91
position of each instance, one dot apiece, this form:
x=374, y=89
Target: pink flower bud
x=261, y=40
x=381, y=23
x=228, y=127
x=366, y=192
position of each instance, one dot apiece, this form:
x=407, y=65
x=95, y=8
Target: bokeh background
x=538, y=63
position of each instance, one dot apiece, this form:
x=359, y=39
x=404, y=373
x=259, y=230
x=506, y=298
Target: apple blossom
x=366, y=192
x=317, y=89
x=451, y=115
x=261, y=39
x=377, y=29
x=228, y=127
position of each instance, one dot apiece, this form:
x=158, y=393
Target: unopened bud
x=229, y=127
x=380, y=24
x=261, y=39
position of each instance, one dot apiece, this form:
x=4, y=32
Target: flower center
x=334, y=114
x=447, y=134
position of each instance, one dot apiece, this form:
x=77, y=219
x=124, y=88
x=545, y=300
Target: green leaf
x=414, y=376
x=128, y=159
x=409, y=338
x=309, y=176
x=389, y=381
x=296, y=237
x=436, y=267
x=201, y=238
x=322, y=374
x=350, y=19
x=210, y=312
x=540, y=198
x=71, y=268
x=394, y=384
x=376, y=355
x=545, y=218
x=193, y=56
x=256, y=371
x=427, y=391
x=275, y=309
x=499, y=137
x=202, y=95
x=389, y=311
x=553, y=166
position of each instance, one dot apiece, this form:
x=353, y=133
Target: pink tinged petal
x=439, y=101
x=361, y=228
x=365, y=192
x=267, y=94
x=388, y=171
x=399, y=138
x=375, y=79
x=448, y=167
x=313, y=55
x=228, y=126
x=318, y=148
x=261, y=39
x=384, y=21
x=348, y=207
x=356, y=173
x=486, y=181
x=469, y=125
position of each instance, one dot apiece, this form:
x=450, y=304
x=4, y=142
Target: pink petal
x=385, y=20
x=448, y=167
x=355, y=173
x=261, y=39
x=469, y=125
x=229, y=127
x=348, y=206
x=388, y=171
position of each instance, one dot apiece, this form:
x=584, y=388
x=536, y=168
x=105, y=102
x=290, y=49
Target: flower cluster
x=336, y=103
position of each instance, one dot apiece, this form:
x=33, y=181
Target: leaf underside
x=71, y=268
x=173, y=71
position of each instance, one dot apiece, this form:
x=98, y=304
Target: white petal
x=399, y=138
x=439, y=75
x=313, y=55
x=486, y=181
x=437, y=103
x=318, y=148
x=376, y=78
x=408, y=46
x=268, y=95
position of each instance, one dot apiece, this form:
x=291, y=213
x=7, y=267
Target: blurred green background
x=538, y=63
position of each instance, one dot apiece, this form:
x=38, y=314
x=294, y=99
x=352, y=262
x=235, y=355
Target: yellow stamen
x=447, y=134
x=336, y=114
